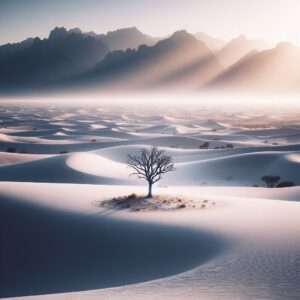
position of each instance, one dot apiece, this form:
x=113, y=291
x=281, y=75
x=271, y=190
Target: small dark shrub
x=205, y=145
x=63, y=152
x=11, y=150
x=270, y=180
x=284, y=184
x=131, y=196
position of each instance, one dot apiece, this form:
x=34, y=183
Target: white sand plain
x=57, y=242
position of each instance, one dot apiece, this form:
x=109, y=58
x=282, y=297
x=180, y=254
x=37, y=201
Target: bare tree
x=150, y=165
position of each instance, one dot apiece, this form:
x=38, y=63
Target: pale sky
x=271, y=20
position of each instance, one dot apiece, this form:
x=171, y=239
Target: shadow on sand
x=46, y=251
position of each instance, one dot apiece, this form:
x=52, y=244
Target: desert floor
x=59, y=163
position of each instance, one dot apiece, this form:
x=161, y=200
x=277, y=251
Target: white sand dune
x=73, y=245
x=243, y=240
x=55, y=146
x=61, y=169
x=120, y=153
x=93, y=164
x=192, y=168
x=185, y=142
x=58, y=242
x=13, y=158
x=6, y=138
x=231, y=170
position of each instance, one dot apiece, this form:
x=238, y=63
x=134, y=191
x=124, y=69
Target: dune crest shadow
x=45, y=251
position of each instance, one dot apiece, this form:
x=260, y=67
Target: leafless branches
x=150, y=165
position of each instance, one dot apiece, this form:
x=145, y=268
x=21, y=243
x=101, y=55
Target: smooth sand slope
x=48, y=249
x=244, y=247
x=57, y=165
x=192, y=168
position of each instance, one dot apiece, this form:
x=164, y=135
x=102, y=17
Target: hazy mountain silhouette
x=179, y=59
x=213, y=44
x=74, y=59
x=237, y=48
x=125, y=38
x=122, y=39
x=274, y=70
x=36, y=62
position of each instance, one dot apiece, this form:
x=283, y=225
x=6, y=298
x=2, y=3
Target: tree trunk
x=149, y=190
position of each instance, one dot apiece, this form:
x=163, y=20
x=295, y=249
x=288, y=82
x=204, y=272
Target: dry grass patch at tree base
x=134, y=202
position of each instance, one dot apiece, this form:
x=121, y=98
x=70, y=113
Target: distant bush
x=11, y=150
x=132, y=196
x=270, y=180
x=205, y=145
x=63, y=152
x=284, y=184
x=230, y=146
x=93, y=140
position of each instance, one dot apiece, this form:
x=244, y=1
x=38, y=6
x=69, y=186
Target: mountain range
x=127, y=59
x=180, y=60
x=276, y=70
